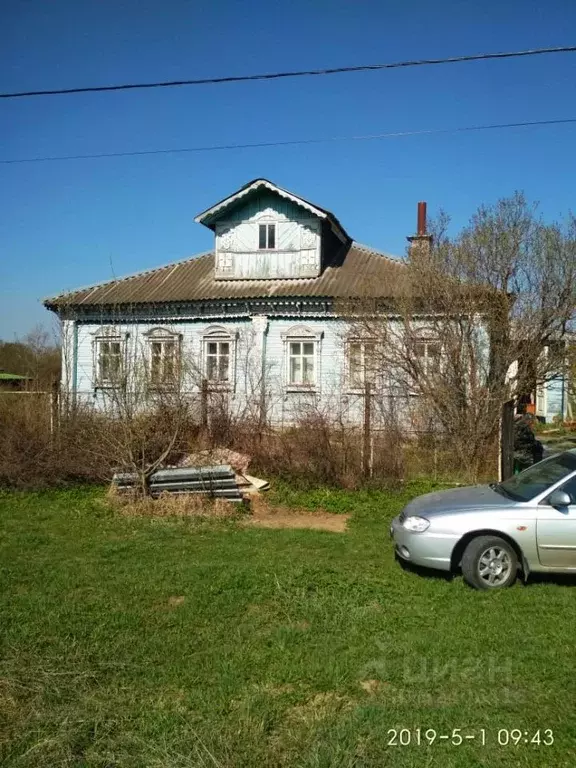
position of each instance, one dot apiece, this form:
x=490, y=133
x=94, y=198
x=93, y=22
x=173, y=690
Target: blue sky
x=69, y=224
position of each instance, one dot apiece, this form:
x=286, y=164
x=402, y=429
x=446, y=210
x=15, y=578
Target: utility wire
x=301, y=73
x=292, y=142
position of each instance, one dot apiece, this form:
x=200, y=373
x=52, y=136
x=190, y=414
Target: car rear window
x=538, y=478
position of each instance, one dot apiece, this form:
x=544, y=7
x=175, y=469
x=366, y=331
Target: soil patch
x=265, y=516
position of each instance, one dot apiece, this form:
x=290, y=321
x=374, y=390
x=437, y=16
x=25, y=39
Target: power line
x=293, y=142
x=297, y=73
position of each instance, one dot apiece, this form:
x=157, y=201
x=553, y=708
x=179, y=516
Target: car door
x=556, y=531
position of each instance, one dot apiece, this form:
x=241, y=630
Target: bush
x=38, y=453
x=87, y=447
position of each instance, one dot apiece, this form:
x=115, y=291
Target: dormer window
x=267, y=237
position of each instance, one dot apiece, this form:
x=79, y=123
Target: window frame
x=267, y=225
x=351, y=385
x=164, y=336
x=108, y=336
x=304, y=358
x=303, y=335
x=424, y=361
x=219, y=335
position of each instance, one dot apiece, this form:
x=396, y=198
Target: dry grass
x=171, y=505
x=256, y=512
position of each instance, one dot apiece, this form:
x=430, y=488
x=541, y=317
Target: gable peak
x=219, y=210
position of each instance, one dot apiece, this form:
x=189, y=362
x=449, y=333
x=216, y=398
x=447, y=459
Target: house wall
x=298, y=241
x=260, y=354
x=260, y=347
x=555, y=399
x=249, y=336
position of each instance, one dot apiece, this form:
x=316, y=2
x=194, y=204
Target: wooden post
x=506, y=468
x=204, y=404
x=54, y=407
x=262, y=409
x=367, y=431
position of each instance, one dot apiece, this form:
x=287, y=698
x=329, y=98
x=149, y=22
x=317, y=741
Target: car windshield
x=537, y=478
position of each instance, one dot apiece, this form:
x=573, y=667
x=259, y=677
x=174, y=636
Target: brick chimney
x=421, y=242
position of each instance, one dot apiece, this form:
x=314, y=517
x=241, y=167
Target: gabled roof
x=357, y=271
x=210, y=216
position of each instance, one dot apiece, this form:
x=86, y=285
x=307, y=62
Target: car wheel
x=489, y=562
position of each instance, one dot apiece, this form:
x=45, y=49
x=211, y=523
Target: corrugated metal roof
x=360, y=271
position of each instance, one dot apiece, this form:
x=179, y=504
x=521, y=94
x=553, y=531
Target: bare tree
x=501, y=291
x=36, y=355
x=144, y=406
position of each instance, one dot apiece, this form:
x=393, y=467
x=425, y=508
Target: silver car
x=492, y=531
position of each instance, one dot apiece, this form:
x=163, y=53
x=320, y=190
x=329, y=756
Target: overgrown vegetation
x=36, y=355
x=178, y=643
x=480, y=317
x=87, y=447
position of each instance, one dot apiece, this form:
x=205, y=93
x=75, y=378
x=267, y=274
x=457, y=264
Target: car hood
x=455, y=501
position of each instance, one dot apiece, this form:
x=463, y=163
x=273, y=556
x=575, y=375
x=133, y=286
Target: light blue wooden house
x=254, y=318
x=254, y=321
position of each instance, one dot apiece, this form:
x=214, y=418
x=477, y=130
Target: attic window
x=267, y=237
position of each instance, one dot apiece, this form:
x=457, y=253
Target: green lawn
x=173, y=643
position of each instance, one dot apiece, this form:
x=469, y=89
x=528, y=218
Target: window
x=108, y=361
x=218, y=356
x=428, y=353
x=361, y=362
x=302, y=357
x=218, y=361
x=267, y=236
x=541, y=399
x=163, y=356
x=302, y=366
x=163, y=361
x=225, y=262
x=570, y=489
x=537, y=478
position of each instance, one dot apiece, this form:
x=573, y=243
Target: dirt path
x=265, y=516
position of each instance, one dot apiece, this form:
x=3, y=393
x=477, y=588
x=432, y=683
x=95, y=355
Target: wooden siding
x=298, y=241
x=285, y=404
x=556, y=399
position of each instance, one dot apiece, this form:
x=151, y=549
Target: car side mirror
x=559, y=499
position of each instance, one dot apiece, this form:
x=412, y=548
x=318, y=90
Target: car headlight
x=416, y=524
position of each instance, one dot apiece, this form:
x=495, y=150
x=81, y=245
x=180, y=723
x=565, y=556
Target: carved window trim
x=302, y=334
x=219, y=335
x=109, y=343
x=157, y=341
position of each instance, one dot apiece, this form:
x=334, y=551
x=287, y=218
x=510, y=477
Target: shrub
x=87, y=447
